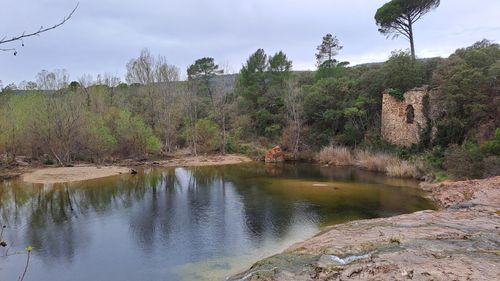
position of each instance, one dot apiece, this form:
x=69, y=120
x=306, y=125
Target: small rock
x=275, y=155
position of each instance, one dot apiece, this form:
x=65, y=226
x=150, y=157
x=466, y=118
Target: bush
x=492, y=147
x=153, y=144
x=98, y=138
x=208, y=137
x=133, y=135
x=397, y=94
x=464, y=162
x=48, y=161
x=230, y=144
x=467, y=93
x=492, y=166
x=435, y=158
x=403, y=73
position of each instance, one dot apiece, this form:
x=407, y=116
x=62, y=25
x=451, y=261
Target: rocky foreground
x=459, y=242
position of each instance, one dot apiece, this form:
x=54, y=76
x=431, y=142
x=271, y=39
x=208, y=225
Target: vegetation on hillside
x=57, y=121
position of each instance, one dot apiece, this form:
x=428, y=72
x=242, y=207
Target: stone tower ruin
x=403, y=121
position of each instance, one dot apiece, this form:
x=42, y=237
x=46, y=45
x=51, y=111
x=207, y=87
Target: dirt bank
x=87, y=171
x=459, y=242
x=72, y=174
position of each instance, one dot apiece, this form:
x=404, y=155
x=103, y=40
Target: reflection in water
x=185, y=223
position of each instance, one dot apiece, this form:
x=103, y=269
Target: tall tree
x=203, y=70
x=261, y=84
x=252, y=78
x=398, y=16
x=328, y=49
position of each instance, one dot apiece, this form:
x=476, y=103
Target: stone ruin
x=404, y=121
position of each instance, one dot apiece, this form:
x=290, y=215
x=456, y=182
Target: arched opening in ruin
x=410, y=114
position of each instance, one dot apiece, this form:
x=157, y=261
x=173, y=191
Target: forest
x=154, y=114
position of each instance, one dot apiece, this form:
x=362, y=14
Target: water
x=201, y=223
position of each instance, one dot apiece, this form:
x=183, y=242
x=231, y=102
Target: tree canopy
x=327, y=50
x=398, y=16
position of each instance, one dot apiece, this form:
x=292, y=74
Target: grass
x=372, y=161
x=375, y=161
x=402, y=169
x=338, y=156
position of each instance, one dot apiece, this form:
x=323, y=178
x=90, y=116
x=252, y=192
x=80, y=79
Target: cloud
x=105, y=34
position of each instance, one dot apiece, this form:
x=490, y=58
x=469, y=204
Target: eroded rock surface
x=460, y=242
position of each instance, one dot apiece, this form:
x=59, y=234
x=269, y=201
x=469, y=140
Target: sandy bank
x=72, y=174
x=87, y=171
x=459, y=242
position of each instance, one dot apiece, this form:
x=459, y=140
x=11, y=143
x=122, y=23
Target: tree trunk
x=57, y=157
x=412, y=44
x=223, y=150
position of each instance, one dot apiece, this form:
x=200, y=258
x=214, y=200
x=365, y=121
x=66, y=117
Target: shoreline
x=87, y=171
x=72, y=174
x=459, y=241
x=423, y=245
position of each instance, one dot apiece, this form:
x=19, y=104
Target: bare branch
x=38, y=32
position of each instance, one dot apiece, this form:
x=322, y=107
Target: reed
x=336, y=155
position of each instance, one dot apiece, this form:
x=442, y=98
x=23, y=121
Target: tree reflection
x=190, y=214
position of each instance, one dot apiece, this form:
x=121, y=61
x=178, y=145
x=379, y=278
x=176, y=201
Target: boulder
x=275, y=155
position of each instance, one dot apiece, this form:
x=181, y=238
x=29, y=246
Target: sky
x=104, y=35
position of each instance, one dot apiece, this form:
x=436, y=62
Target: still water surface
x=202, y=223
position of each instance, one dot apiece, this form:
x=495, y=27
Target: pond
x=202, y=223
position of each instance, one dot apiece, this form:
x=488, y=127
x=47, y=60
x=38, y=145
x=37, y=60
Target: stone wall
x=403, y=121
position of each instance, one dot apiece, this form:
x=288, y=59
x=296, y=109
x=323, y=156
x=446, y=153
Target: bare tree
x=111, y=81
x=294, y=101
x=85, y=81
x=190, y=102
x=55, y=80
x=6, y=40
x=221, y=103
x=157, y=78
x=62, y=122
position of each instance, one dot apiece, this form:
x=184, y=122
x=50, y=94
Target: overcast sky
x=104, y=35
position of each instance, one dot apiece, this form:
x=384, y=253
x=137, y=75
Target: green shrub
x=464, y=162
x=153, y=144
x=99, y=139
x=397, y=94
x=467, y=83
x=208, y=137
x=492, y=166
x=492, y=147
x=404, y=73
x=435, y=158
x=132, y=133
x=48, y=161
x=230, y=144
